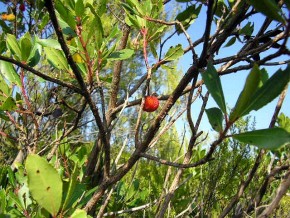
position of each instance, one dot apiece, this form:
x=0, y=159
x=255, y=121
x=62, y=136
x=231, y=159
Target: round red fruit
x=22, y=7
x=151, y=103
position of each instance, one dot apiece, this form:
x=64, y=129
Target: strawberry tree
x=77, y=78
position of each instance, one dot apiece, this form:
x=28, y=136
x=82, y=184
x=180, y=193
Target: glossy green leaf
x=174, y=53
x=96, y=29
x=65, y=14
x=79, y=8
x=9, y=73
x=268, y=8
x=16, y=201
x=265, y=138
x=245, y=98
x=52, y=43
x=138, y=6
x=44, y=183
x=187, y=17
x=4, y=88
x=78, y=213
x=25, y=45
x=231, y=42
x=215, y=118
x=34, y=56
x=8, y=105
x=134, y=20
x=214, y=86
x=187, y=14
x=71, y=188
x=121, y=55
x=269, y=91
x=56, y=58
x=13, y=46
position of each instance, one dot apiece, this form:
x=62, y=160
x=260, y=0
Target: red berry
x=151, y=103
x=22, y=7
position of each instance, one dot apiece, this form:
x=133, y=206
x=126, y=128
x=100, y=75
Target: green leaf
x=4, y=88
x=44, y=183
x=13, y=46
x=78, y=213
x=135, y=4
x=15, y=201
x=4, y=116
x=34, y=56
x=25, y=44
x=174, y=53
x=65, y=14
x=96, y=30
x=268, y=8
x=79, y=8
x=187, y=17
x=284, y=122
x=265, y=138
x=268, y=92
x=71, y=187
x=121, y=55
x=215, y=118
x=245, y=98
x=56, y=58
x=214, y=86
x=5, y=27
x=9, y=72
x=247, y=29
x=134, y=20
x=2, y=45
x=8, y=105
x=231, y=42
x=52, y=43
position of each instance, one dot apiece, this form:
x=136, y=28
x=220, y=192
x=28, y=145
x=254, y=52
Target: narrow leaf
x=13, y=45
x=213, y=84
x=56, y=58
x=231, y=42
x=71, y=187
x=4, y=88
x=174, y=53
x=25, y=43
x=9, y=72
x=34, y=56
x=269, y=91
x=121, y=55
x=78, y=213
x=215, y=117
x=245, y=98
x=52, y=43
x=8, y=105
x=265, y=138
x=79, y=8
x=44, y=183
x=268, y=8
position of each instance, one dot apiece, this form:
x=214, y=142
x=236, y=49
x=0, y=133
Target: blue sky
x=232, y=83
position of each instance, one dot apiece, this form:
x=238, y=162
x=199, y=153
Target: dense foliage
x=83, y=133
